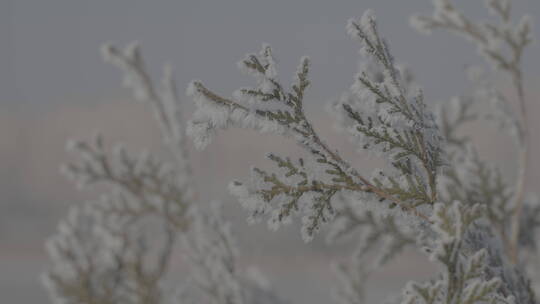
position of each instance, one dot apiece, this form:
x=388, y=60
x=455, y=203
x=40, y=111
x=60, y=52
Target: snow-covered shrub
x=435, y=193
x=118, y=249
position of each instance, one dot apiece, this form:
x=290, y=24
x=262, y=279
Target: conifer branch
x=271, y=108
x=488, y=37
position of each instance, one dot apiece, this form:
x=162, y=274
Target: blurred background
x=54, y=86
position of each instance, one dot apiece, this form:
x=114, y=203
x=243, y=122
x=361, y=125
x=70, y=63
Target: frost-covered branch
x=463, y=279
x=213, y=259
x=406, y=131
x=472, y=180
x=503, y=45
x=215, y=274
x=381, y=239
x=118, y=249
x=105, y=246
x=145, y=184
x=212, y=255
x=111, y=251
x=163, y=97
x=99, y=257
x=469, y=178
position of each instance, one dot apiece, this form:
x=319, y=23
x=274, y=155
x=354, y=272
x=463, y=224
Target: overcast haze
x=49, y=51
x=54, y=86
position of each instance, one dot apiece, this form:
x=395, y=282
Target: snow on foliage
x=215, y=275
x=429, y=164
x=401, y=128
x=99, y=257
x=463, y=278
x=502, y=44
x=435, y=192
x=119, y=249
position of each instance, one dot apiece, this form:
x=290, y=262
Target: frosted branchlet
x=118, y=249
x=502, y=44
x=463, y=277
x=434, y=192
x=404, y=129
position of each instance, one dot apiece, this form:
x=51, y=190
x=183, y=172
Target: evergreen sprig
x=271, y=107
x=463, y=278
x=400, y=124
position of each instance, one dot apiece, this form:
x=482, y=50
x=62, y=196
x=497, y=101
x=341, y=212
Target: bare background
x=54, y=86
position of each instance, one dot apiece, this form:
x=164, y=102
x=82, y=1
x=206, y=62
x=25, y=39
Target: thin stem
x=522, y=174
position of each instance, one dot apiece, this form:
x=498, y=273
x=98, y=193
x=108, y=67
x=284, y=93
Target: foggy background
x=54, y=86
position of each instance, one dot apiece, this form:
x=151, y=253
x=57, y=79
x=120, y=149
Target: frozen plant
x=119, y=248
x=435, y=192
x=99, y=258
x=502, y=44
x=463, y=278
x=398, y=125
x=215, y=276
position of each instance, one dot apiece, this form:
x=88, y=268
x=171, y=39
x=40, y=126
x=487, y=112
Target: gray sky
x=50, y=48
